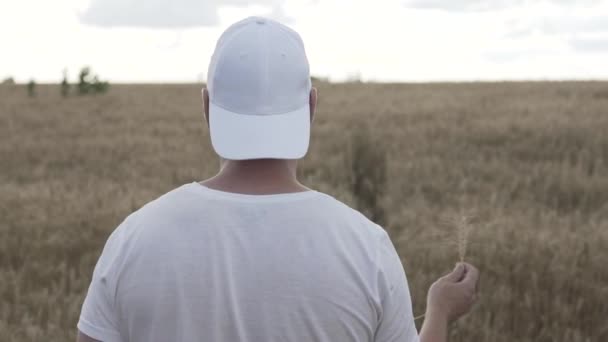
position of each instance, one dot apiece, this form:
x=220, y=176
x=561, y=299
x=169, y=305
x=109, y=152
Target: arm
x=434, y=328
x=84, y=338
x=450, y=297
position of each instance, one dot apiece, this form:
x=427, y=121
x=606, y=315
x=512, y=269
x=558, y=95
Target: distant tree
x=87, y=83
x=65, y=84
x=99, y=87
x=8, y=81
x=31, y=88
x=84, y=84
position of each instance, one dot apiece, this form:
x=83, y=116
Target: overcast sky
x=384, y=40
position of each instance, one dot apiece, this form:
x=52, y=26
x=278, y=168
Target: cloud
x=506, y=56
x=558, y=26
x=462, y=5
x=590, y=44
x=166, y=14
x=485, y=5
x=569, y=25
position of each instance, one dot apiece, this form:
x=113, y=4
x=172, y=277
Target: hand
x=454, y=294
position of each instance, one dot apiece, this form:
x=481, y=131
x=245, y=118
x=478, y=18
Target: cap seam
x=266, y=78
x=221, y=61
x=292, y=40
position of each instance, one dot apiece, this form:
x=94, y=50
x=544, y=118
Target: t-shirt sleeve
x=98, y=317
x=396, y=322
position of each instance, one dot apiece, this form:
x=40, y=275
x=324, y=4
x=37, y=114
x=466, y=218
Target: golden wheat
x=464, y=228
x=530, y=158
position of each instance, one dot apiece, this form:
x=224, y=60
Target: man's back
x=204, y=265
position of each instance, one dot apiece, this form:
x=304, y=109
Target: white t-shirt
x=198, y=264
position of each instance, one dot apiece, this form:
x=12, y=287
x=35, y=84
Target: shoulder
x=376, y=235
x=166, y=207
x=344, y=212
x=130, y=228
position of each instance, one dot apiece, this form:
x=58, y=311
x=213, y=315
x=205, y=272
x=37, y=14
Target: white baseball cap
x=259, y=88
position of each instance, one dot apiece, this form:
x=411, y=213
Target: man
x=251, y=254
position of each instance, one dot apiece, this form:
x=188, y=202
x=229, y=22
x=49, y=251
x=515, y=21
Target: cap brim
x=240, y=137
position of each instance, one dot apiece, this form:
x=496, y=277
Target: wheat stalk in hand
x=463, y=227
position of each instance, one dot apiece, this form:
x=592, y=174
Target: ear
x=313, y=103
x=206, y=105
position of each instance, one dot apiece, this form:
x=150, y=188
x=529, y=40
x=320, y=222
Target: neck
x=259, y=176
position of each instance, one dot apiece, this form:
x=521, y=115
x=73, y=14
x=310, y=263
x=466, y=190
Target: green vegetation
x=98, y=86
x=90, y=84
x=65, y=84
x=83, y=81
x=31, y=88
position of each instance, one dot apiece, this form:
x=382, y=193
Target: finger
x=457, y=274
x=471, y=277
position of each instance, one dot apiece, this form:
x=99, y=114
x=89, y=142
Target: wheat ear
x=463, y=226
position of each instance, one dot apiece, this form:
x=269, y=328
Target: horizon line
x=328, y=81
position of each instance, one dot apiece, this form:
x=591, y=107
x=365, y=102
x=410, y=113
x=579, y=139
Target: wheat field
x=527, y=162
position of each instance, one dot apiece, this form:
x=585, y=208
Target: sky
x=380, y=40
